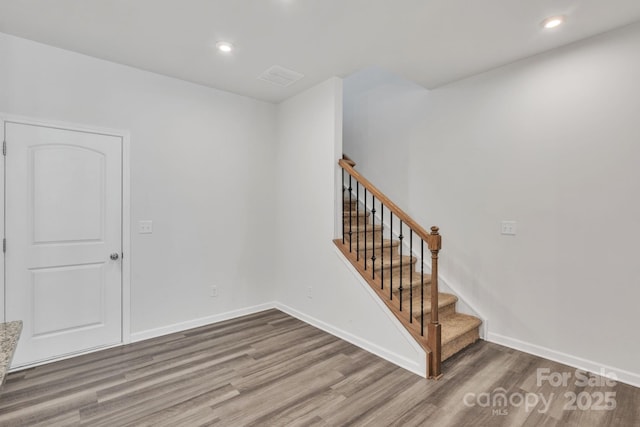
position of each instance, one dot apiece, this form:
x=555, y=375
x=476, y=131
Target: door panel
x=49, y=285
x=63, y=219
x=77, y=204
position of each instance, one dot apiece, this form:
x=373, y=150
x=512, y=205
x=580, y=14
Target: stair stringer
x=418, y=366
x=463, y=305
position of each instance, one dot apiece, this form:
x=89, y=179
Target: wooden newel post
x=434, y=327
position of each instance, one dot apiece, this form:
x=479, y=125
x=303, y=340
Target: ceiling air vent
x=280, y=76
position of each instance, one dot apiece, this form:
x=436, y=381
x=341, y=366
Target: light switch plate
x=509, y=228
x=145, y=227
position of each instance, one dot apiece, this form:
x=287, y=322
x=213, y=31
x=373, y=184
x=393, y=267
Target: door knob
x=114, y=256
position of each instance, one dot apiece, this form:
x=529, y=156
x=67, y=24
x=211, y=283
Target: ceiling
x=431, y=42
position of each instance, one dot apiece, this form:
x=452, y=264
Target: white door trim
x=126, y=208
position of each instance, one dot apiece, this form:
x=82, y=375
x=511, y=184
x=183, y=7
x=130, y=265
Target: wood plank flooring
x=269, y=369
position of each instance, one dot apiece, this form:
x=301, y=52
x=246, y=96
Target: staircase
x=396, y=274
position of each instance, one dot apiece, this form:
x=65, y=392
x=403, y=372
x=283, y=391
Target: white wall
x=309, y=146
x=202, y=168
x=551, y=142
x=380, y=112
x=212, y=170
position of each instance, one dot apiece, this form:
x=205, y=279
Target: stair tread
x=355, y=228
x=456, y=325
x=355, y=213
x=406, y=284
x=453, y=326
x=393, y=262
x=415, y=283
x=444, y=300
x=370, y=243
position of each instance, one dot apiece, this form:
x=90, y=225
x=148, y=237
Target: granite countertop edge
x=9, y=334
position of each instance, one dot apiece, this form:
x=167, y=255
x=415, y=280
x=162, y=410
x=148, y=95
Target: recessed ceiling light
x=553, y=22
x=224, y=47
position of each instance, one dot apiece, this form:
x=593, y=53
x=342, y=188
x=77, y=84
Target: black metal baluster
x=343, y=190
x=365, y=230
x=391, y=257
x=358, y=220
x=411, y=277
x=350, y=224
x=373, y=237
x=400, y=287
x=381, y=244
x=421, y=287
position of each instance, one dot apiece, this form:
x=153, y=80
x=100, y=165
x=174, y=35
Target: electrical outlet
x=145, y=227
x=309, y=292
x=509, y=228
x=214, y=292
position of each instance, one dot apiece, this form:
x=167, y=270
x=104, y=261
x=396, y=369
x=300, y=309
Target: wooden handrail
x=434, y=242
x=348, y=160
x=417, y=228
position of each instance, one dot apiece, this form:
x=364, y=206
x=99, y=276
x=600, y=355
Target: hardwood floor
x=269, y=369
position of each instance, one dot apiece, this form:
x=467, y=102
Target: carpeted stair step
x=355, y=217
x=446, y=302
x=351, y=204
x=394, y=280
x=408, y=280
x=386, y=248
x=458, y=331
x=392, y=266
x=414, y=280
x=358, y=232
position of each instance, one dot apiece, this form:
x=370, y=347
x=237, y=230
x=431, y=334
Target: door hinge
x=4, y=148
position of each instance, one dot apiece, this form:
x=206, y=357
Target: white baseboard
x=202, y=321
x=567, y=359
x=396, y=359
x=410, y=365
x=414, y=366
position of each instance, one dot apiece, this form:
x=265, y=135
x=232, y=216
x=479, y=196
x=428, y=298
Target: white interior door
x=63, y=228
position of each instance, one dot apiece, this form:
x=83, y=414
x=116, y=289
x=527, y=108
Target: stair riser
x=353, y=211
x=393, y=269
x=370, y=235
x=447, y=310
x=406, y=283
x=354, y=221
x=384, y=252
x=406, y=269
x=396, y=285
x=394, y=276
x=405, y=289
x=355, y=208
x=442, y=311
x=460, y=343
